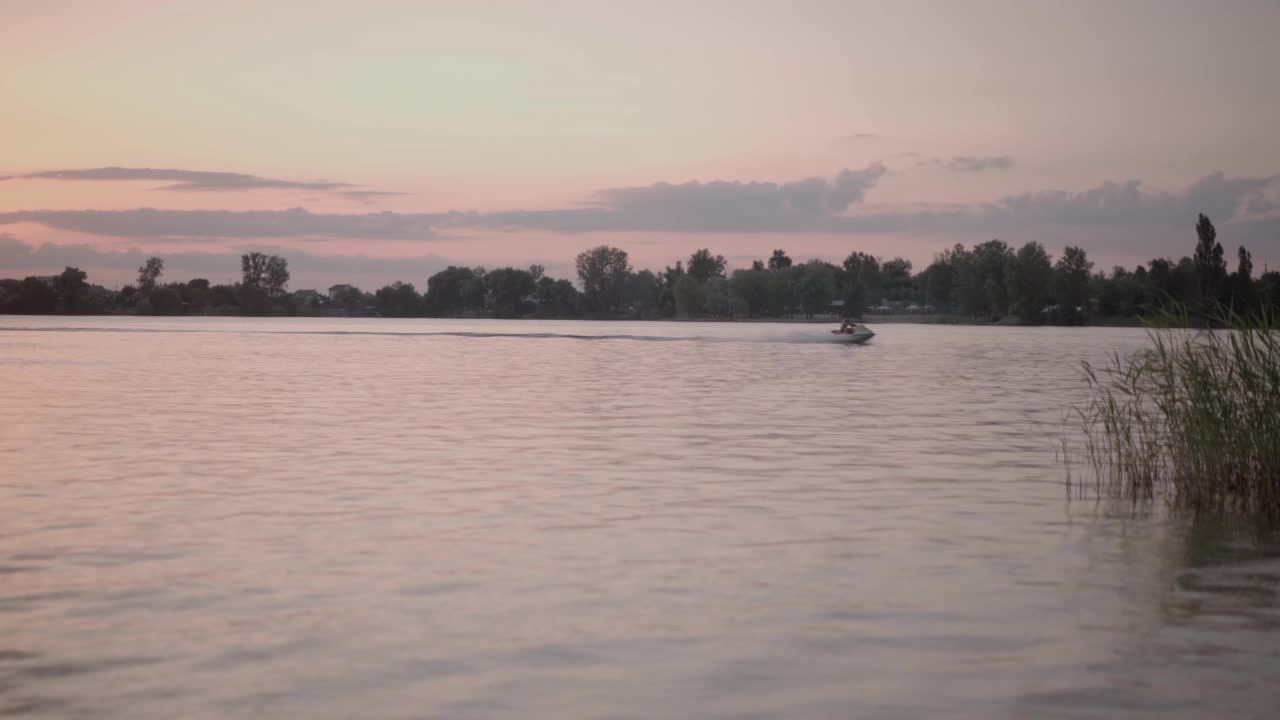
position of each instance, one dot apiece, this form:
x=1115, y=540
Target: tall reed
x=1196, y=415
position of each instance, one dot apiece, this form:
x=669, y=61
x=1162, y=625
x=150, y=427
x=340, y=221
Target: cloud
x=183, y=180
x=717, y=206
x=860, y=137
x=1126, y=204
x=228, y=224
x=368, y=196
x=16, y=255
x=962, y=163
x=1119, y=215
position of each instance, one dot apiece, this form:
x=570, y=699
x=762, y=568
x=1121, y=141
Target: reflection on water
x=214, y=518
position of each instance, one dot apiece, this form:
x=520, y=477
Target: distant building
x=337, y=290
x=308, y=297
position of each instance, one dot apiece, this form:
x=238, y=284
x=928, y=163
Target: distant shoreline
x=894, y=319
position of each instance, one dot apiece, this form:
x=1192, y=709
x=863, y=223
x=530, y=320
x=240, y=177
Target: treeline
x=990, y=282
x=263, y=290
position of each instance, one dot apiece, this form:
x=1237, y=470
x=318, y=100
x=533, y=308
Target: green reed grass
x=1196, y=415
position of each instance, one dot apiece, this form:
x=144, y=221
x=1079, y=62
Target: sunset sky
x=382, y=140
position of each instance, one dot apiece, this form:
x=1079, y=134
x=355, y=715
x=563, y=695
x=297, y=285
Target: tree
x=602, y=270
x=1244, y=264
x=350, y=298
x=1242, y=295
x=784, y=291
x=703, y=265
x=36, y=296
x=472, y=292
x=690, y=296
x=939, y=279
x=667, y=280
x=984, y=291
x=1071, y=283
x=556, y=298
x=149, y=273
x=1185, y=283
x=163, y=300
x=1121, y=295
x=896, y=279
x=1029, y=275
x=753, y=287
x=70, y=286
x=253, y=269
x=717, y=300
x=861, y=282
x=398, y=300
x=1210, y=264
x=195, y=293
x=506, y=288
x=444, y=291
x=641, y=294
x=252, y=299
x=269, y=273
x=1269, y=290
x=779, y=260
x=817, y=286
x=277, y=276
x=757, y=265
x=223, y=299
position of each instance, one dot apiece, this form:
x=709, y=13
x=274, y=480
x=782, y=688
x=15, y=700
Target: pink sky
x=515, y=133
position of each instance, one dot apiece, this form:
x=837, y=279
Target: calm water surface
x=212, y=518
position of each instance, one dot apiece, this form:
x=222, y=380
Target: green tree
x=602, y=270
x=861, y=282
x=1210, y=263
x=985, y=291
x=253, y=269
x=556, y=298
x=779, y=260
x=252, y=299
x=162, y=300
x=149, y=273
x=784, y=291
x=507, y=289
x=896, y=279
x=1029, y=274
x=223, y=299
x=817, y=287
x=349, y=298
x=398, y=299
x=1071, y=283
x=473, y=293
x=195, y=294
x=667, y=280
x=690, y=296
x=1269, y=290
x=268, y=273
x=444, y=291
x=717, y=300
x=1242, y=294
x=752, y=286
x=36, y=296
x=71, y=287
x=641, y=294
x=703, y=265
x=939, y=279
x=277, y=276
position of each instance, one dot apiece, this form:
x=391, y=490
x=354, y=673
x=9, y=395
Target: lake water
x=279, y=518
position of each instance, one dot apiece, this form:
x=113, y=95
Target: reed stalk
x=1195, y=416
